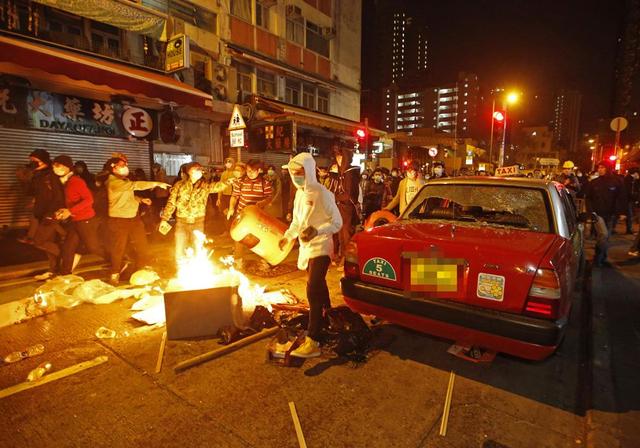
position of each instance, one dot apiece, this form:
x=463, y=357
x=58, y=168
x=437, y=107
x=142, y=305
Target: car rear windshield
x=494, y=205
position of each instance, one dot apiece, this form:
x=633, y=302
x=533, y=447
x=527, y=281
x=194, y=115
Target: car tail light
x=544, y=295
x=351, y=268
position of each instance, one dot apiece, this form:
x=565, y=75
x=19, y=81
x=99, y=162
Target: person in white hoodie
x=314, y=220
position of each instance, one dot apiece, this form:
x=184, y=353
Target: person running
x=315, y=219
x=188, y=199
x=83, y=225
x=124, y=223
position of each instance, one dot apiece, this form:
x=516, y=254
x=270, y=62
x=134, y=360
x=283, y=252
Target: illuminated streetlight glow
x=591, y=140
x=512, y=98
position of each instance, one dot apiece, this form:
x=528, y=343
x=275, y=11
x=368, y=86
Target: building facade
x=157, y=80
x=566, y=120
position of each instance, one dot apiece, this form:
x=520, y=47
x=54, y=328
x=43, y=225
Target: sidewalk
x=613, y=414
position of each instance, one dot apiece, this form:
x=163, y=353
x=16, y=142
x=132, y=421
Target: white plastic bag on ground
x=92, y=290
x=144, y=277
x=57, y=292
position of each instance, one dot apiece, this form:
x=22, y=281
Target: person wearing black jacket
x=632, y=190
x=48, y=194
x=605, y=195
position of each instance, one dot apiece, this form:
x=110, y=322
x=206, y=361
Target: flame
x=197, y=270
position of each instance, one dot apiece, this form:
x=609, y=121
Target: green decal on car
x=379, y=267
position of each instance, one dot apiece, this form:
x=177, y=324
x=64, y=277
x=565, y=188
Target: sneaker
x=44, y=276
x=308, y=349
x=76, y=261
x=634, y=253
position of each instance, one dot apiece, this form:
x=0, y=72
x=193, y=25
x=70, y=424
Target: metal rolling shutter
x=17, y=144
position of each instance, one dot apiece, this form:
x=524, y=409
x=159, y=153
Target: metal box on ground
x=200, y=312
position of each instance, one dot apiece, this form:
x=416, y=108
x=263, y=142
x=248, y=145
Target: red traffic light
x=613, y=158
x=361, y=133
x=406, y=163
x=498, y=116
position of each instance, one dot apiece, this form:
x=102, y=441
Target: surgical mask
x=298, y=180
x=377, y=179
x=394, y=174
x=271, y=172
x=437, y=171
x=635, y=176
x=122, y=171
x=237, y=174
x=364, y=177
x=60, y=171
x=228, y=165
x=412, y=174
x=253, y=176
x=195, y=175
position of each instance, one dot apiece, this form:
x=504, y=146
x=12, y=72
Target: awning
x=122, y=14
x=101, y=72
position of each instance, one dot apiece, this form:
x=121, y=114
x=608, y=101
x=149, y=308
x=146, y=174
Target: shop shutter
x=17, y=144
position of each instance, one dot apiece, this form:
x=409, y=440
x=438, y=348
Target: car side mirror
x=584, y=217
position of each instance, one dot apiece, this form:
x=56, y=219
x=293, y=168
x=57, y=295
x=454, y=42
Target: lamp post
x=511, y=98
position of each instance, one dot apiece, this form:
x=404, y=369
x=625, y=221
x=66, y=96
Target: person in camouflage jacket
x=188, y=199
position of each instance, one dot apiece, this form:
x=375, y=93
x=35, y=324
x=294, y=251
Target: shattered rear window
x=493, y=205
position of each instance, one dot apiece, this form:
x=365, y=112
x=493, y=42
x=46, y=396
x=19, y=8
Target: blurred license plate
x=434, y=275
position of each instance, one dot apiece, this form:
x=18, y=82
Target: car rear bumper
x=517, y=335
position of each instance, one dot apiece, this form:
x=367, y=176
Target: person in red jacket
x=79, y=211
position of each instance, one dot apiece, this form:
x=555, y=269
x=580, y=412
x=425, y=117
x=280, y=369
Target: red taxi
x=488, y=262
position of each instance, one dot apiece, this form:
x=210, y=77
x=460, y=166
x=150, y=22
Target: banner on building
x=278, y=136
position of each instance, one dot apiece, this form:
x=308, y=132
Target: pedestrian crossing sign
x=236, y=122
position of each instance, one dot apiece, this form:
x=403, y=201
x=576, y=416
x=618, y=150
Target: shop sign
x=23, y=108
x=177, y=53
x=276, y=136
x=137, y=122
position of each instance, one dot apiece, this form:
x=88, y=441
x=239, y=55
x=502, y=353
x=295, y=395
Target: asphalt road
x=393, y=400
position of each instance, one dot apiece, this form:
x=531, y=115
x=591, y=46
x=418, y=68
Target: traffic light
x=361, y=133
x=498, y=116
x=613, y=157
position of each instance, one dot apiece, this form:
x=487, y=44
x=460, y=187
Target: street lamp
x=511, y=98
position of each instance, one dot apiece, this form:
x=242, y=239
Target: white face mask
x=437, y=171
x=195, y=175
x=60, y=171
x=377, y=179
x=271, y=172
x=253, y=175
x=298, y=180
x=122, y=171
x=412, y=174
x=228, y=165
x=635, y=176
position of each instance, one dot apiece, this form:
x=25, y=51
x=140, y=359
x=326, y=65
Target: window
x=309, y=96
x=292, y=92
x=323, y=101
x=315, y=41
x=262, y=15
x=195, y=15
x=266, y=84
x=244, y=80
x=295, y=30
x=241, y=9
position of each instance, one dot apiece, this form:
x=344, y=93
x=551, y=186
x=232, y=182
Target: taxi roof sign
x=505, y=171
x=236, y=122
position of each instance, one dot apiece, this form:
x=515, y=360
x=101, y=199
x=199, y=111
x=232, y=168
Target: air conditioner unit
x=294, y=11
x=328, y=32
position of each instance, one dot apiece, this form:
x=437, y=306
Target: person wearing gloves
x=188, y=199
x=315, y=219
x=407, y=189
x=124, y=222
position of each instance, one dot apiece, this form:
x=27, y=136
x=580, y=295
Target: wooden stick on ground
x=184, y=365
x=447, y=405
x=161, y=354
x=53, y=376
x=296, y=424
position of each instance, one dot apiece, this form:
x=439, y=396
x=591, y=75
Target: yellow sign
x=177, y=53
x=513, y=170
x=236, y=122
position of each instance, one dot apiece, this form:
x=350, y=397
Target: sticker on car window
x=491, y=287
x=379, y=267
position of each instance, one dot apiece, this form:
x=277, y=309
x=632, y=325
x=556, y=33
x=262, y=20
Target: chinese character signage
x=278, y=136
x=24, y=108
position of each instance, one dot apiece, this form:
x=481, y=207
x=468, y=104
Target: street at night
x=319, y=223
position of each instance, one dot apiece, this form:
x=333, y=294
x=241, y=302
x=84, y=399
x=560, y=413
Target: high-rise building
x=566, y=120
x=450, y=108
x=409, y=47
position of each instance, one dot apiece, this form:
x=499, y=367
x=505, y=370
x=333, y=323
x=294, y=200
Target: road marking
x=53, y=376
x=161, y=354
x=296, y=424
x=447, y=405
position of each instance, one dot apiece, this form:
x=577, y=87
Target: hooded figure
x=315, y=219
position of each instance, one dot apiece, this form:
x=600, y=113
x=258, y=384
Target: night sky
x=537, y=46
